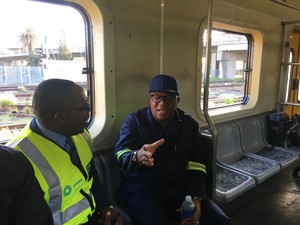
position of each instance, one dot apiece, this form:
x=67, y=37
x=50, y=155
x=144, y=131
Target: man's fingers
x=152, y=147
x=157, y=143
x=120, y=220
x=148, y=162
x=145, y=155
x=107, y=218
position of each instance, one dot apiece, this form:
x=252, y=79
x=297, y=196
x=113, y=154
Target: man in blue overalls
x=159, y=151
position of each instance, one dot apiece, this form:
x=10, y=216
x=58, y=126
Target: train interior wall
x=168, y=43
x=163, y=37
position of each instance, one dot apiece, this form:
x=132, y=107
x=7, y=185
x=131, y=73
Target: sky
x=46, y=20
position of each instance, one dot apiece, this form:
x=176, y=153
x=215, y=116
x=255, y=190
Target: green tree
x=64, y=52
x=29, y=39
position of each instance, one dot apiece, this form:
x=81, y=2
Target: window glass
x=229, y=69
x=38, y=41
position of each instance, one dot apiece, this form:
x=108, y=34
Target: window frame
x=83, y=8
x=246, y=70
x=253, y=85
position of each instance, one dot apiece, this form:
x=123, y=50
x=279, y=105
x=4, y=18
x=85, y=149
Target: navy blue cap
x=164, y=83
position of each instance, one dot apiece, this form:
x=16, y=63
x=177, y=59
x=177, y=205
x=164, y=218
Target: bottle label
x=187, y=213
x=187, y=207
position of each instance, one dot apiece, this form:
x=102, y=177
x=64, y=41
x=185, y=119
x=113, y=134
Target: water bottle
x=187, y=208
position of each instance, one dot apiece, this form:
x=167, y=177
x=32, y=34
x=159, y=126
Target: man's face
x=163, y=106
x=76, y=112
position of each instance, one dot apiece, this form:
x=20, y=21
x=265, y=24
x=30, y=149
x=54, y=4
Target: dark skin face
x=163, y=112
x=72, y=117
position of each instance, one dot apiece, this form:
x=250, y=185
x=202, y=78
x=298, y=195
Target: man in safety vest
x=60, y=150
x=160, y=153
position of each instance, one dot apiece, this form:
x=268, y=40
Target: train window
x=39, y=40
x=229, y=69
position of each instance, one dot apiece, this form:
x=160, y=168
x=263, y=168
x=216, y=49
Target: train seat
x=110, y=176
x=231, y=184
x=254, y=142
x=109, y=173
x=231, y=155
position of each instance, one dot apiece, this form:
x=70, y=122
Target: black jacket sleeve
x=21, y=198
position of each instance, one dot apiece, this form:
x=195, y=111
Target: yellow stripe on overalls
x=196, y=166
x=122, y=152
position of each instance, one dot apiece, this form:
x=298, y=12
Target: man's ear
x=59, y=117
x=178, y=99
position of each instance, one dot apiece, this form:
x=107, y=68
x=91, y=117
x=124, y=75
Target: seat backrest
x=228, y=143
x=264, y=123
x=252, y=134
x=109, y=173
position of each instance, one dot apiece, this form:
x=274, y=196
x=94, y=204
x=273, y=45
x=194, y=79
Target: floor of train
x=276, y=201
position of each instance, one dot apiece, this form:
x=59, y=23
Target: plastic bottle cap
x=188, y=198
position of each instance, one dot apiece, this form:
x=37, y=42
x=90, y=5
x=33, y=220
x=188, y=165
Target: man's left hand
x=110, y=217
x=197, y=213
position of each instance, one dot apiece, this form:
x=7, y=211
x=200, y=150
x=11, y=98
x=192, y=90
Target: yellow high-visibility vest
x=66, y=189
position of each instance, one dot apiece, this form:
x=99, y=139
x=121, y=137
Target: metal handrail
x=206, y=93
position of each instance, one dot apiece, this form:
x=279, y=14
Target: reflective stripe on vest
x=88, y=140
x=55, y=194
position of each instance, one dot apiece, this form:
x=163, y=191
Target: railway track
x=8, y=131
